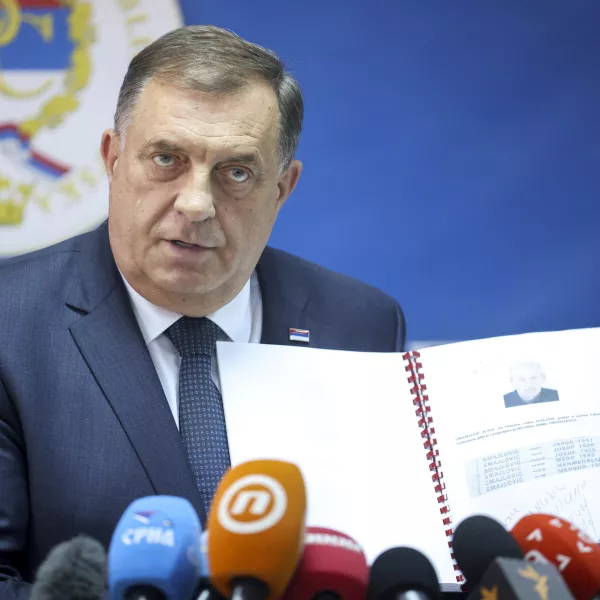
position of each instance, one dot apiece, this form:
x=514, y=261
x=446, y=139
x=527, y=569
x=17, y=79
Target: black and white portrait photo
x=527, y=379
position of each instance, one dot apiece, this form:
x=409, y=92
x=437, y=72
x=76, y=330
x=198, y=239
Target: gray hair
x=214, y=60
x=526, y=364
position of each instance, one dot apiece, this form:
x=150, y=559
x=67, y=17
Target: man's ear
x=110, y=149
x=288, y=182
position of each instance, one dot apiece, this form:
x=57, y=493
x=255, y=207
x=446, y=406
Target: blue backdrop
x=451, y=152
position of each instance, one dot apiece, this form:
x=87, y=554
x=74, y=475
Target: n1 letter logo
x=254, y=501
x=243, y=509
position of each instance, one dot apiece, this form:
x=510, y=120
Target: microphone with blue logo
x=155, y=551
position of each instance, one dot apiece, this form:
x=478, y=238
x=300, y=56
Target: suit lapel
x=284, y=303
x=109, y=339
x=112, y=345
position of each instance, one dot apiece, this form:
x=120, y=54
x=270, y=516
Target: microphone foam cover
x=402, y=570
x=73, y=569
x=477, y=541
x=156, y=545
x=555, y=540
x=331, y=562
x=256, y=525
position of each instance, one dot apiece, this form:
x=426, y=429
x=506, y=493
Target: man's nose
x=196, y=200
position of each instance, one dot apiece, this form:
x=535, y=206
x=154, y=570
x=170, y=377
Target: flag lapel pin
x=299, y=335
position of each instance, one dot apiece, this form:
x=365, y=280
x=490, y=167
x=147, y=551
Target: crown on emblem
x=13, y=199
x=11, y=213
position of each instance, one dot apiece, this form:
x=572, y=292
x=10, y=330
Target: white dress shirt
x=241, y=320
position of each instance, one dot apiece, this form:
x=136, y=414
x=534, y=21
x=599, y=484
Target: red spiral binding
x=421, y=401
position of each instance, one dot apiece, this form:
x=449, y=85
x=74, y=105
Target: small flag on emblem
x=299, y=335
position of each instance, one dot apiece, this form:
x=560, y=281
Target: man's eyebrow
x=244, y=159
x=168, y=147
x=165, y=146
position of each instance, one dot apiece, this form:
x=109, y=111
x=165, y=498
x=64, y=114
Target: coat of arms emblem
x=61, y=65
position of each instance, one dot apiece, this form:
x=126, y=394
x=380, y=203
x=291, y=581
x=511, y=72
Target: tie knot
x=194, y=336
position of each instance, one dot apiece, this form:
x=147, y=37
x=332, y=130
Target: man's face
x=194, y=192
x=528, y=380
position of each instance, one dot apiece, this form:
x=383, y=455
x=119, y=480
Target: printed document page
x=517, y=420
x=348, y=421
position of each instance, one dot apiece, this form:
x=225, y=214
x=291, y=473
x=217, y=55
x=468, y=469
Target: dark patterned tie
x=201, y=418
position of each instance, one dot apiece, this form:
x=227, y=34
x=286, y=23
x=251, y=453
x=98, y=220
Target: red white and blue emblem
x=144, y=516
x=61, y=66
x=299, y=335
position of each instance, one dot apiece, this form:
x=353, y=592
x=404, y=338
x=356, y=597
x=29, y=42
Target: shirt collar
x=235, y=318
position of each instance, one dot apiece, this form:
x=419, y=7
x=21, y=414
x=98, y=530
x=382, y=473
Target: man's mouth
x=184, y=244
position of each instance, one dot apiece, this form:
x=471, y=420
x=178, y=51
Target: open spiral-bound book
x=397, y=449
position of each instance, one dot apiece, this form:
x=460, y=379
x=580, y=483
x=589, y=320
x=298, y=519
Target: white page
x=466, y=384
x=347, y=420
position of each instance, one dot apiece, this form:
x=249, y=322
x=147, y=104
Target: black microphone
x=403, y=574
x=73, y=570
x=477, y=541
x=492, y=563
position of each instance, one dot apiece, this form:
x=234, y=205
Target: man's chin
x=182, y=286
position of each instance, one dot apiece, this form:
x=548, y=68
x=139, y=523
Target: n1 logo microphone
x=256, y=529
x=154, y=552
x=333, y=566
x=549, y=539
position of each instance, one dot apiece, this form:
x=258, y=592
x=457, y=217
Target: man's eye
x=238, y=175
x=164, y=160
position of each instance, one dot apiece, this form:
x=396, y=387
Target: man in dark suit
x=95, y=402
x=528, y=378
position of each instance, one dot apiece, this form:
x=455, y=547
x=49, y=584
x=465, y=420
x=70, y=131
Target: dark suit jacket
x=546, y=395
x=85, y=427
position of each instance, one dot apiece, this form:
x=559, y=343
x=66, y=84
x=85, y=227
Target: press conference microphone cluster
x=256, y=547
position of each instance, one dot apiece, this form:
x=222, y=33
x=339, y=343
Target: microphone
x=477, y=541
x=333, y=567
x=491, y=561
x=256, y=529
x=549, y=539
x=154, y=552
x=403, y=574
x=512, y=579
x=73, y=570
x=205, y=588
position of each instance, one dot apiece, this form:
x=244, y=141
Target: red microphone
x=549, y=539
x=333, y=567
